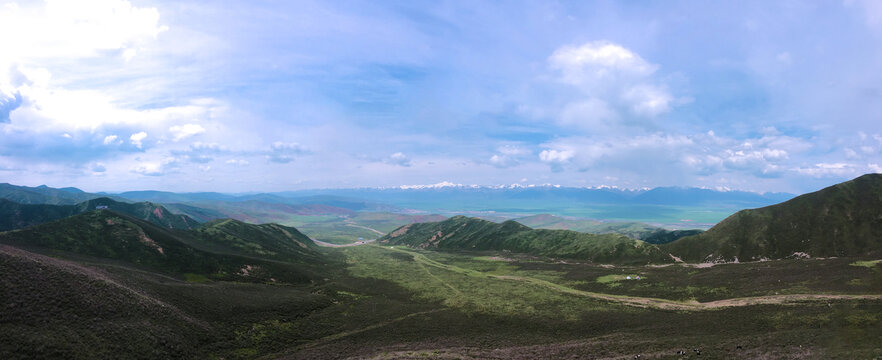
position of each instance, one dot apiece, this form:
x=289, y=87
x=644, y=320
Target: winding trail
x=643, y=302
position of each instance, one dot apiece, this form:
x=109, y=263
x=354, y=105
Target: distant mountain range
x=606, y=195
x=672, y=206
x=46, y=195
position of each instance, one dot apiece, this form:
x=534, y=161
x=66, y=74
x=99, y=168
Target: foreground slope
x=841, y=220
x=463, y=233
x=54, y=308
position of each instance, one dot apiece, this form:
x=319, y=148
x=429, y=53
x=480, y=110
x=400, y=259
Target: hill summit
x=464, y=233
x=840, y=220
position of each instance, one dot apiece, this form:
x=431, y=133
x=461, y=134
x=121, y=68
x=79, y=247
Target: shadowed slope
x=111, y=235
x=841, y=220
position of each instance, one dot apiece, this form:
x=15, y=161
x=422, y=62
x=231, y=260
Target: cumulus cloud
x=99, y=168
x=398, y=159
x=112, y=140
x=59, y=28
x=283, y=153
x=508, y=155
x=594, y=63
x=184, y=131
x=648, y=100
x=556, y=156
x=9, y=101
x=614, y=81
x=156, y=168
x=136, y=138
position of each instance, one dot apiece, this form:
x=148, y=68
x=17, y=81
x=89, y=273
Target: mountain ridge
x=842, y=220
x=464, y=233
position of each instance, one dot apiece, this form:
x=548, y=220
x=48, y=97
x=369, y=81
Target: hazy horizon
x=257, y=96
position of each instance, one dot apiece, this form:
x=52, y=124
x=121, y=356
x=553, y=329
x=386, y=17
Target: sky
x=239, y=96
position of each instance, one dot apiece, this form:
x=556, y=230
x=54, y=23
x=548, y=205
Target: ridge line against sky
x=113, y=95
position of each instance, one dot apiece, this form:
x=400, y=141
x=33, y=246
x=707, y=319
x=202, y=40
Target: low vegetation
x=462, y=233
x=841, y=220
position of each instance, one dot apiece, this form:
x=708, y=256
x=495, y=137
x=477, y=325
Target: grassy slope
x=841, y=220
x=148, y=211
x=266, y=240
x=17, y=216
x=634, y=230
x=462, y=233
x=110, y=235
x=55, y=309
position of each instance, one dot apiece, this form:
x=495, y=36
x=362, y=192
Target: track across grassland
x=643, y=302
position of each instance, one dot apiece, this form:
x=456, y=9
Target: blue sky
x=264, y=96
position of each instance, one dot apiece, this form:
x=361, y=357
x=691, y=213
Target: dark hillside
x=18, y=216
x=61, y=310
x=266, y=240
x=111, y=235
x=463, y=233
x=841, y=220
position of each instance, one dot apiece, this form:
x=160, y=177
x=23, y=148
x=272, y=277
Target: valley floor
x=382, y=302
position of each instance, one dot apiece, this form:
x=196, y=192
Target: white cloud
x=556, y=156
x=399, y=159
x=156, y=168
x=613, y=81
x=184, y=131
x=598, y=61
x=136, y=138
x=71, y=29
x=648, y=100
x=99, y=168
x=111, y=139
x=508, y=155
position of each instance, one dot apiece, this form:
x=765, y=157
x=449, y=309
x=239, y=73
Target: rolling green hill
x=17, y=216
x=265, y=240
x=463, y=233
x=634, y=230
x=121, y=237
x=841, y=220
